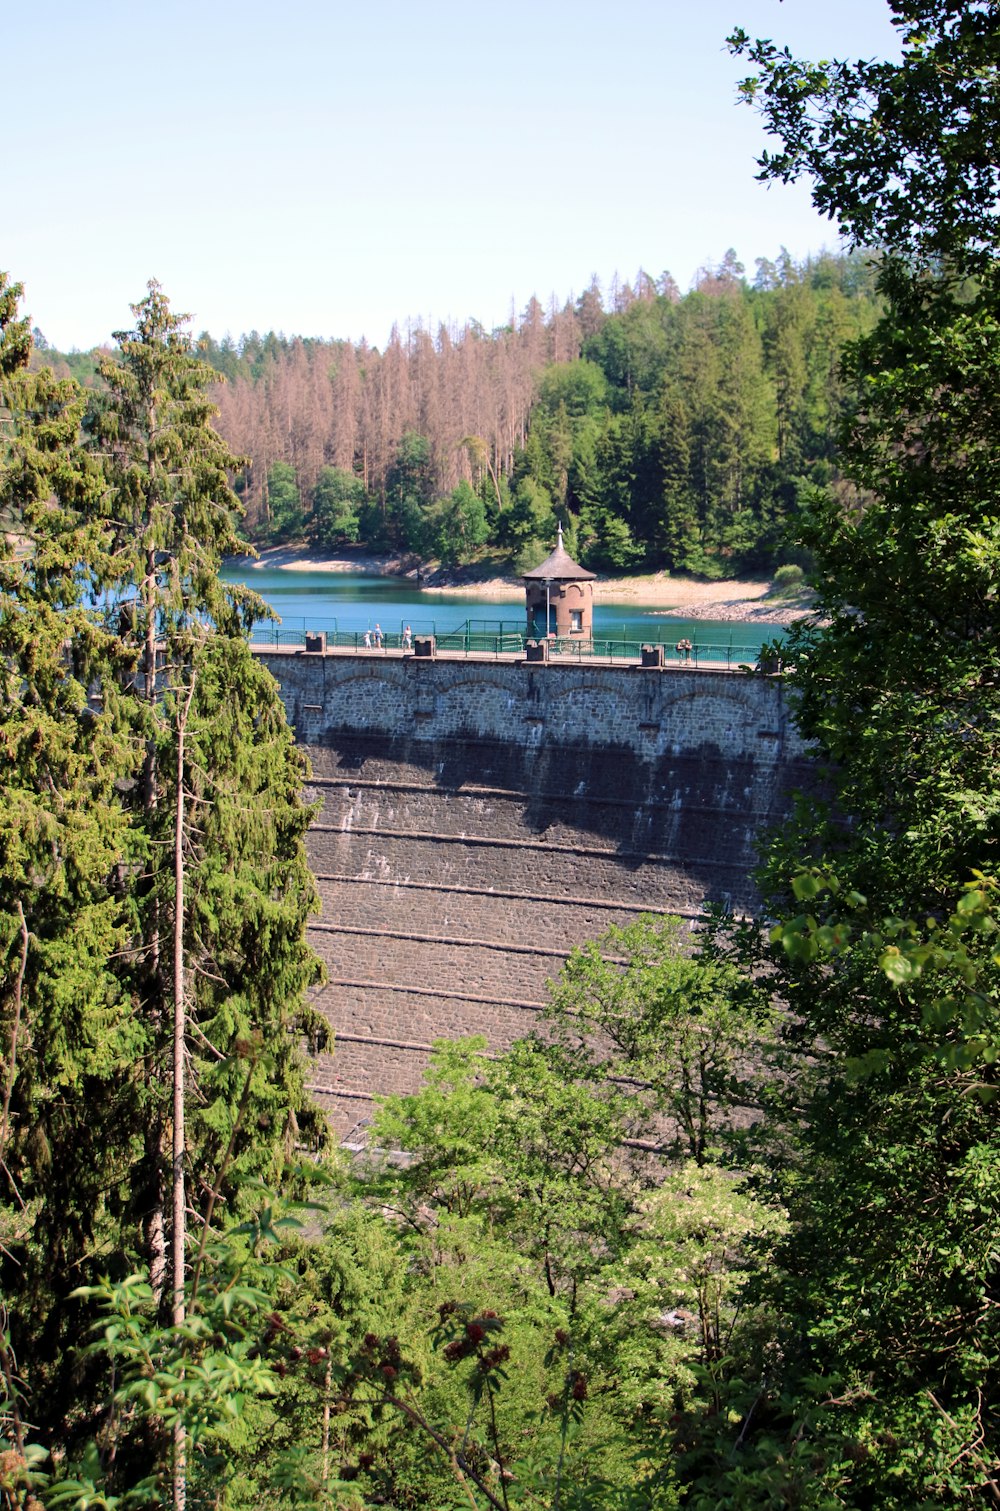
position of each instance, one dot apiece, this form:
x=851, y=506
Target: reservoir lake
x=355, y=602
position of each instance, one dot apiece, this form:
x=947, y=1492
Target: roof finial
x=560, y=536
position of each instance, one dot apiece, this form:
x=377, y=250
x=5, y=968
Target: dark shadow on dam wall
x=479, y=818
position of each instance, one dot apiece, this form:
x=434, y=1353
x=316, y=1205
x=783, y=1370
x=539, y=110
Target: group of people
x=373, y=638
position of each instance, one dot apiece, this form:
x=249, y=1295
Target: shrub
x=788, y=580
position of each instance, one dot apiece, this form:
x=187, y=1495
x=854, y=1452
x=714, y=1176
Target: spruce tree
x=218, y=911
x=68, y=1037
x=154, y=959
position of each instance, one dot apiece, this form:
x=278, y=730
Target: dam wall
x=480, y=817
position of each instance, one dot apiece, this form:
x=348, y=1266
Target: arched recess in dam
x=479, y=818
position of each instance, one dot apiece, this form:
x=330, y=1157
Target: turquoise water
x=355, y=602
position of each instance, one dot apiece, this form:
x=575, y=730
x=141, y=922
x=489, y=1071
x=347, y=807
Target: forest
x=661, y=431
x=724, y=1234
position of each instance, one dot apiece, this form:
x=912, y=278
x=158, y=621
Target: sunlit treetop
x=902, y=154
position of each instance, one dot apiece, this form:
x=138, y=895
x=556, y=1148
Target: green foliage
x=618, y=1304
x=788, y=581
x=907, y=578
x=15, y=334
x=882, y=1378
x=699, y=1236
x=685, y=1027
x=608, y=543
x=135, y=515
x=521, y=1167
x=899, y=152
x=527, y=524
x=200, y=1374
x=170, y=521
x=337, y=502
x=286, y=518
x=714, y=410
x=682, y=437
x=70, y=1034
x=577, y=387
x=943, y=970
x=456, y=527
x=447, y=1130
x=331, y=1291
x=409, y=492
x=518, y=1147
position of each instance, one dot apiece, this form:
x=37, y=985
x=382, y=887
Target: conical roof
x=559, y=566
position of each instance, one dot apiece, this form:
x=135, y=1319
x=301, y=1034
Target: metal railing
x=273, y=632
x=498, y=638
x=701, y=653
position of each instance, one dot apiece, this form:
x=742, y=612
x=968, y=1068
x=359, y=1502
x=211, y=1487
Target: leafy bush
x=788, y=581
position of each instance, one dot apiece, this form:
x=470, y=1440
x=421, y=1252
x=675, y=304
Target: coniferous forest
x=724, y=1234
x=664, y=431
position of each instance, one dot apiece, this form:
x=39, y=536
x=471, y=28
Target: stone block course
x=564, y=921
x=460, y=964
x=401, y=1013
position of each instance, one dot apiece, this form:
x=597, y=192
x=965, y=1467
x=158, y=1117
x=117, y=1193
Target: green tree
x=297, y=1445
x=688, y=1029
x=338, y=499
x=527, y=524
x=409, y=491
x=519, y=1146
x=677, y=533
x=734, y=432
x=631, y=348
x=578, y=386
x=156, y=984
x=889, y=1345
x=523, y=1191
x=456, y=526
x=700, y=1235
x=620, y=487
x=170, y=518
x=899, y=152
x=285, y=517
x=68, y=1036
x=786, y=340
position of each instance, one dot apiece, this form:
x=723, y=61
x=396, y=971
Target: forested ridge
x=662, y=430
x=725, y=1233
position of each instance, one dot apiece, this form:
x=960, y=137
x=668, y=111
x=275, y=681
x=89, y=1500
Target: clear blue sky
x=326, y=168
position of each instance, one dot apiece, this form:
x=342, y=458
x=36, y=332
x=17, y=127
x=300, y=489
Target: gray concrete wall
x=479, y=817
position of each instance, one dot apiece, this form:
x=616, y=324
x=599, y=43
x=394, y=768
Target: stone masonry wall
x=479, y=818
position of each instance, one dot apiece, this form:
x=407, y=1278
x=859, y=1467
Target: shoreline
x=740, y=600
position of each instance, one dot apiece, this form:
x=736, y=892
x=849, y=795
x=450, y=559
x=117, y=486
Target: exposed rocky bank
x=743, y=600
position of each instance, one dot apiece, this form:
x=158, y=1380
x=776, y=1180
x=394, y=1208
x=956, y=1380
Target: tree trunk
x=179, y=1035
x=156, y=1223
x=327, y=1393
x=11, y=1075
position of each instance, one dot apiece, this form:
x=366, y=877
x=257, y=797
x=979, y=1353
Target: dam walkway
x=469, y=640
